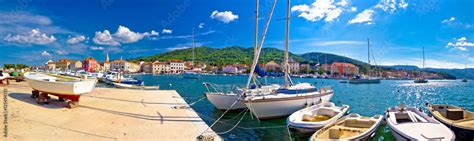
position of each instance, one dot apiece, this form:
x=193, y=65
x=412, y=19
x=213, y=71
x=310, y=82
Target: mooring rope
x=219, y=118
x=240, y=127
x=236, y=124
x=191, y=104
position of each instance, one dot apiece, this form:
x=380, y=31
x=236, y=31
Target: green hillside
x=221, y=56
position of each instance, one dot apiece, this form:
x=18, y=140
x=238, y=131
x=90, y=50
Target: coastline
x=104, y=114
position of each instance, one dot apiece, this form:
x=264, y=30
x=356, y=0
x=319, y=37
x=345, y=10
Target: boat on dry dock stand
x=65, y=88
x=350, y=127
x=312, y=118
x=459, y=120
x=410, y=123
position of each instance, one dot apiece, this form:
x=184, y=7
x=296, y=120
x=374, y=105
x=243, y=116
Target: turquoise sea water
x=364, y=99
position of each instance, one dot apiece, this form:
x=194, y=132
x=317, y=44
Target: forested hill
x=234, y=54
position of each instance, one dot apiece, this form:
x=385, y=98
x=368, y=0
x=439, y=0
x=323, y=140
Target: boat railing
x=325, y=89
x=221, y=88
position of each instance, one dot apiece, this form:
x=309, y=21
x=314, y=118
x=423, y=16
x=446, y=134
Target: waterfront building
x=146, y=67
x=230, y=69
x=89, y=64
x=294, y=66
x=177, y=66
x=272, y=66
x=50, y=65
x=122, y=65
x=161, y=67
x=66, y=64
x=340, y=68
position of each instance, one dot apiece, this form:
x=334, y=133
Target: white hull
x=411, y=124
x=44, y=83
x=225, y=101
x=298, y=122
x=278, y=107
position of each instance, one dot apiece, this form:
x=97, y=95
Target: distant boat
x=350, y=127
x=115, y=77
x=465, y=69
x=410, y=123
x=128, y=86
x=368, y=79
x=460, y=120
x=193, y=73
x=312, y=118
x=422, y=79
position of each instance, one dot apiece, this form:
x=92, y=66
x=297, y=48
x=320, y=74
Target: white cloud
x=353, y=9
x=448, y=20
x=45, y=54
x=23, y=18
x=460, y=44
x=125, y=35
x=201, y=25
x=363, y=17
x=384, y=5
x=33, y=37
x=342, y=3
x=391, y=5
x=61, y=52
x=96, y=48
x=225, y=17
x=122, y=35
x=321, y=9
x=76, y=39
x=167, y=31
x=104, y=38
x=154, y=33
x=177, y=48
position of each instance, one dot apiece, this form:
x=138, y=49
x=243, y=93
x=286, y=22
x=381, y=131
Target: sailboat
x=230, y=98
x=465, y=69
x=422, y=79
x=287, y=99
x=193, y=73
x=368, y=79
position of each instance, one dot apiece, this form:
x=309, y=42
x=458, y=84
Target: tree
x=8, y=66
x=21, y=66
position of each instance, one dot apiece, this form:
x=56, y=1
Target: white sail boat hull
x=278, y=107
x=225, y=101
x=40, y=82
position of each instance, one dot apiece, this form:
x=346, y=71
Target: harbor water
x=364, y=99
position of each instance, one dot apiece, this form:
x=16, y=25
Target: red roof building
x=89, y=64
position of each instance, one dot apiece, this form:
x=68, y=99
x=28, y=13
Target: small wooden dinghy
x=409, y=123
x=312, y=118
x=459, y=120
x=64, y=88
x=350, y=127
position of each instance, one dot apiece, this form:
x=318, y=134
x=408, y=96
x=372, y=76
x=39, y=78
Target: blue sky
x=33, y=31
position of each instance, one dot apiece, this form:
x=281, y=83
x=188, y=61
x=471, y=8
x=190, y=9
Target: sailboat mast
x=368, y=57
x=194, y=45
x=286, y=65
x=423, y=57
x=255, y=47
